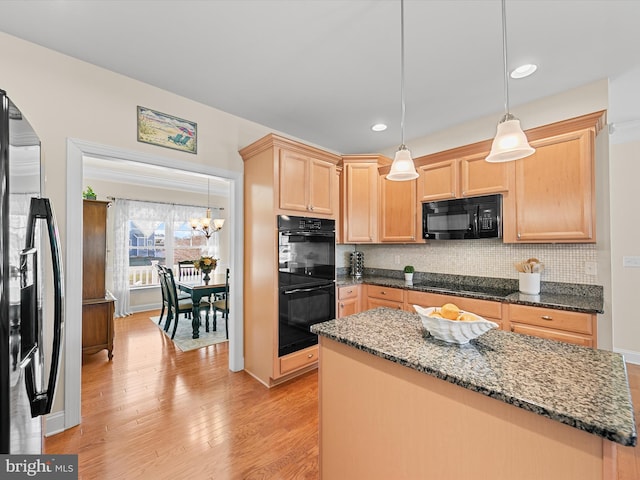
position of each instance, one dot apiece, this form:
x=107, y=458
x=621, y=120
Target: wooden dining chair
x=223, y=306
x=165, y=293
x=185, y=269
x=178, y=306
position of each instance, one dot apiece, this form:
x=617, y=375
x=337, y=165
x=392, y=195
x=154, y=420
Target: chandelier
x=207, y=225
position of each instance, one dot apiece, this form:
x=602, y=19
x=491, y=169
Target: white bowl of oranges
x=450, y=324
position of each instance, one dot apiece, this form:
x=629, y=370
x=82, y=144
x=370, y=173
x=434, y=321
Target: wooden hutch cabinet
x=97, y=303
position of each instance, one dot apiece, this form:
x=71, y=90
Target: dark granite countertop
x=582, y=387
x=563, y=297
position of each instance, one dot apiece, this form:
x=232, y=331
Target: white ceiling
x=325, y=70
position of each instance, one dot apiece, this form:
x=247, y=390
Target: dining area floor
x=155, y=412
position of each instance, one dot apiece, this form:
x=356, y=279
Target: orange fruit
x=450, y=311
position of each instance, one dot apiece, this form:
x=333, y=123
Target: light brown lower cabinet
x=298, y=360
x=572, y=327
x=348, y=300
x=384, y=297
x=562, y=325
x=487, y=309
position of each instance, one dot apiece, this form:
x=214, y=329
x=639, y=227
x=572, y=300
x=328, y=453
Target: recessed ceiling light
x=379, y=127
x=524, y=70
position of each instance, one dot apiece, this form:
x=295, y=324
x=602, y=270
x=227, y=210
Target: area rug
x=184, y=333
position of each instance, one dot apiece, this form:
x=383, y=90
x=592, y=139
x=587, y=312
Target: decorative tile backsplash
x=484, y=258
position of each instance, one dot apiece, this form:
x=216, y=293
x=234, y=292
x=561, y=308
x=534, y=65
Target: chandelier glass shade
x=206, y=225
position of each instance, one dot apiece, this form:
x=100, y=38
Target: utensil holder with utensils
x=529, y=283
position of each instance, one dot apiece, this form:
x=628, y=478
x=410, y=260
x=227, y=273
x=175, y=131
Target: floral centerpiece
x=205, y=263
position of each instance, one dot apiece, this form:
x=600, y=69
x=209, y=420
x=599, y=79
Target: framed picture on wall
x=164, y=130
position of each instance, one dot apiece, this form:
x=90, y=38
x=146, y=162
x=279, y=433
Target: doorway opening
x=77, y=151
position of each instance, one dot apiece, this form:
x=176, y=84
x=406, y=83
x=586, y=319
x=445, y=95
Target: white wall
x=625, y=230
x=65, y=98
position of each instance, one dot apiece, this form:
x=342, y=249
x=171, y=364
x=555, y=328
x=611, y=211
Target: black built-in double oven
x=306, y=279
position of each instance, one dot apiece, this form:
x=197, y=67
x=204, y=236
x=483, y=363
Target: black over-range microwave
x=463, y=218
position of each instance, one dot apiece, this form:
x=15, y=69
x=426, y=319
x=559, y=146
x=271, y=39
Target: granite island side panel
x=581, y=387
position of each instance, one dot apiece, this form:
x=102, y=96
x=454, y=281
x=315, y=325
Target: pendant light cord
x=504, y=58
x=402, y=100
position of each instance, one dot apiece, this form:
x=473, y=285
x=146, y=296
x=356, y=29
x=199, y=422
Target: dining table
x=199, y=288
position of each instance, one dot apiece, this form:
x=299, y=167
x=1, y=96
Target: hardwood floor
x=155, y=412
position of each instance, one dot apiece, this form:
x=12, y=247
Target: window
x=155, y=237
x=187, y=245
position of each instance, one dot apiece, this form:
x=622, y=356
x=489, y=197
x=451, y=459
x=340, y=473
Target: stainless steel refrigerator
x=31, y=328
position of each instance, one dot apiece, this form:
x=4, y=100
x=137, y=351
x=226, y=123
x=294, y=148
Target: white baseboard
x=629, y=355
x=145, y=308
x=54, y=423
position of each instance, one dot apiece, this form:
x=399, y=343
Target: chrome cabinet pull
x=547, y=317
x=310, y=355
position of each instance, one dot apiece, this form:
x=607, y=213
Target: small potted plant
x=408, y=274
x=89, y=194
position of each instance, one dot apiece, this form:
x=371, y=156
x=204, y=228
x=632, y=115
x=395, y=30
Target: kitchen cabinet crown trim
x=272, y=140
x=595, y=120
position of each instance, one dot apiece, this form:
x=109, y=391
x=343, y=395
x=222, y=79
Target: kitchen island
x=396, y=404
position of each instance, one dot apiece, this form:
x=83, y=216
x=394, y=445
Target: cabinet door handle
x=547, y=317
x=342, y=305
x=518, y=235
x=512, y=329
x=383, y=292
x=310, y=355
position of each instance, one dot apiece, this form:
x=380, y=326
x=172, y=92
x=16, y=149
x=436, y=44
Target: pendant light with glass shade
x=402, y=168
x=510, y=142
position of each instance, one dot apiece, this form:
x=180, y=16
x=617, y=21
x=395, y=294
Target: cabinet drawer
x=549, y=318
x=385, y=293
x=297, y=360
x=373, y=302
x=485, y=308
x=575, y=338
x=350, y=291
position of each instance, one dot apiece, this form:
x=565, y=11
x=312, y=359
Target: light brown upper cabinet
x=398, y=220
x=438, y=180
x=461, y=172
x=554, y=191
x=307, y=183
x=360, y=197
x=479, y=177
